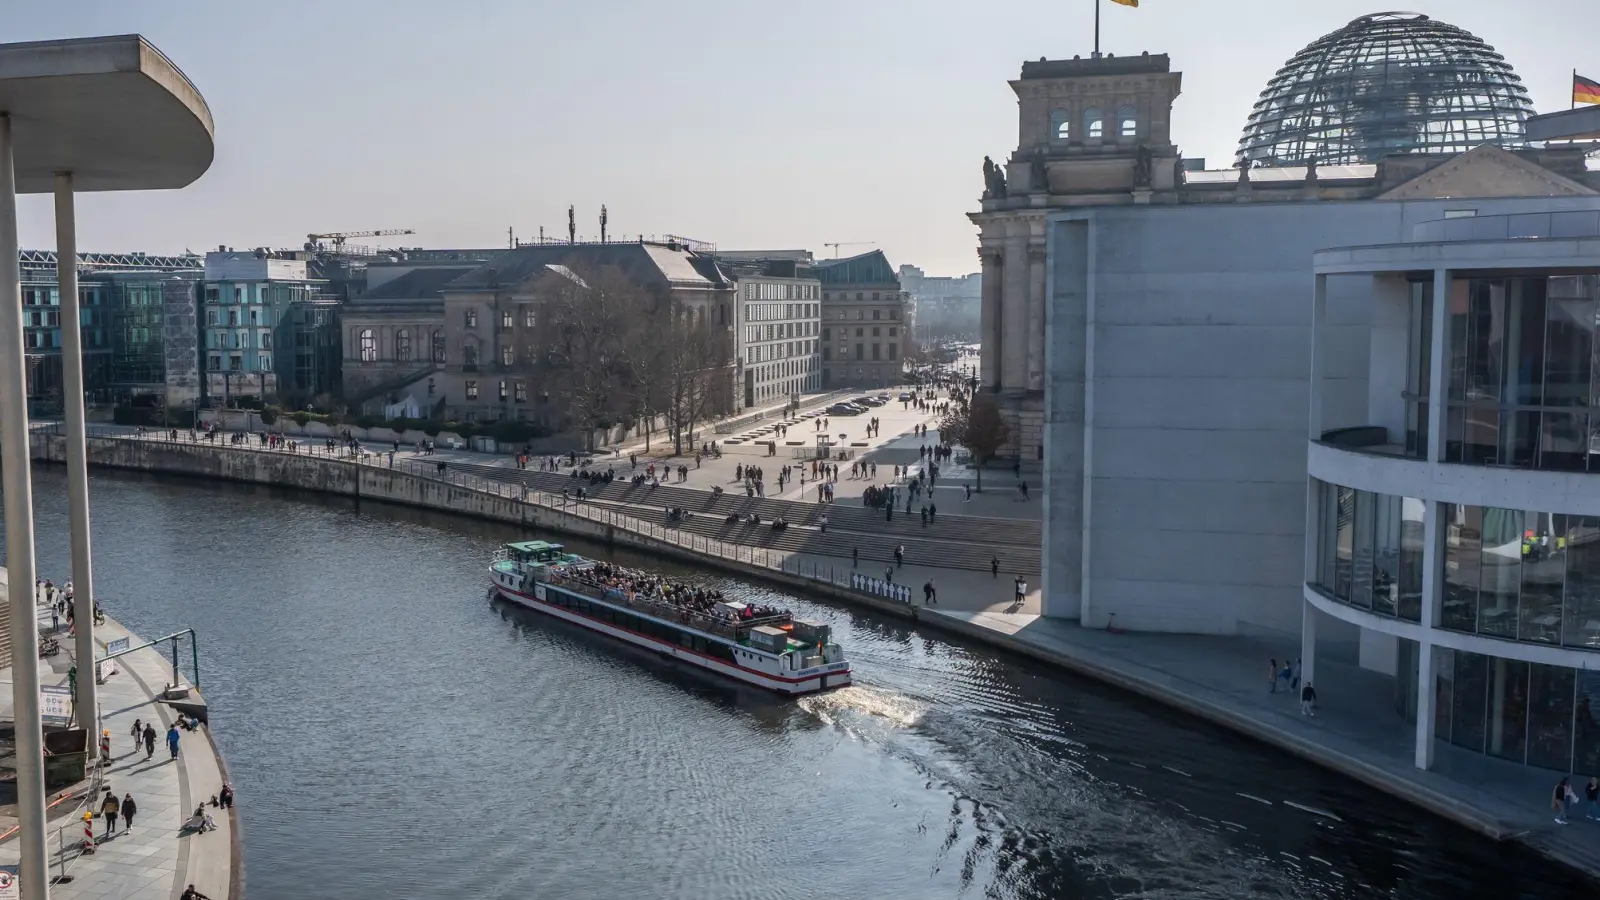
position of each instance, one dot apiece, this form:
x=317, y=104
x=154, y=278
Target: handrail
x=194, y=649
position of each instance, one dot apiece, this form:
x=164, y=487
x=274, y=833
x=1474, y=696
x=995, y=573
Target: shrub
x=510, y=431
x=301, y=418
x=431, y=428
x=368, y=421
x=269, y=415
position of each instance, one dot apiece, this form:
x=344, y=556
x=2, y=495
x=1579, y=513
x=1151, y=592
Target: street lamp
x=89, y=114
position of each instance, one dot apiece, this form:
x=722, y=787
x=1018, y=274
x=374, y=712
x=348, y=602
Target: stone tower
x=1090, y=132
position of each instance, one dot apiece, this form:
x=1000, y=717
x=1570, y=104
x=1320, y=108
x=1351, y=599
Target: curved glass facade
x=1383, y=84
x=1370, y=553
x=1546, y=716
x=1523, y=372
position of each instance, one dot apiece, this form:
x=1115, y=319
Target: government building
x=1230, y=377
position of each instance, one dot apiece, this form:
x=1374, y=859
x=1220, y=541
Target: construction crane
x=337, y=238
x=837, y=244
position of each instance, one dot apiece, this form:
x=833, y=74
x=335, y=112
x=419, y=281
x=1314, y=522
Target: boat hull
x=807, y=684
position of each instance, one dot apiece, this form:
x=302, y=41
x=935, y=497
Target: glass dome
x=1386, y=83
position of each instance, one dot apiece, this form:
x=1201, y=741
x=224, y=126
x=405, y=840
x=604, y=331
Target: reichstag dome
x=1393, y=82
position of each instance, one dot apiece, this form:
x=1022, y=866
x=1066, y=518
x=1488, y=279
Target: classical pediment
x=1487, y=171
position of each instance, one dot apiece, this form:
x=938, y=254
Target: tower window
x=1060, y=125
x=1127, y=122
x=1093, y=123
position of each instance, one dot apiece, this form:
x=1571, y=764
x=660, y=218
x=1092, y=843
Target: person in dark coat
x=129, y=808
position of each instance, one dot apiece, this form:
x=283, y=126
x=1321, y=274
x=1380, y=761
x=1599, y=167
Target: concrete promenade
x=1356, y=730
x=156, y=859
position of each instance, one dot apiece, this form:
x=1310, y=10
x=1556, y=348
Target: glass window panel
x=1444, y=663
x=1463, y=535
x=1519, y=436
x=1508, y=709
x=1344, y=547
x=1466, y=709
x=1460, y=304
x=1550, y=716
x=1455, y=448
x=1563, y=442
x=1409, y=594
x=1500, y=578
x=1486, y=324
x=1328, y=536
x=1523, y=368
x=1543, y=576
x=1586, y=724
x=1480, y=435
x=1362, y=552
x=1580, y=544
x=1386, y=554
x=1569, y=348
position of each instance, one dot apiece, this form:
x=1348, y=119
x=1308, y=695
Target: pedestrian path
x=155, y=859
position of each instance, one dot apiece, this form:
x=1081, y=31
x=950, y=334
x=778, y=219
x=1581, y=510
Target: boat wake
x=859, y=702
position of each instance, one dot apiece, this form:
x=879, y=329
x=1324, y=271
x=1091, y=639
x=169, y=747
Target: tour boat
x=773, y=649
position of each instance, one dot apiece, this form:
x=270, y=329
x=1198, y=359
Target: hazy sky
x=744, y=122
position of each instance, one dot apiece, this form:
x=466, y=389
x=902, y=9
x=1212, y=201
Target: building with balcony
x=1453, y=500
x=866, y=328
x=780, y=320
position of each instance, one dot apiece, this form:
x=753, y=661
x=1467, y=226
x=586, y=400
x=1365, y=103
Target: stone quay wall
x=453, y=494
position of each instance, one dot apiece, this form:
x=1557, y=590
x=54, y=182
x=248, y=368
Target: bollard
x=105, y=743
x=88, y=832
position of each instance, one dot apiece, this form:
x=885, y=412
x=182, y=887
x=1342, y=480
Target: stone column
x=1035, y=320
x=1015, y=321
x=1433, y=532
x=992, y=320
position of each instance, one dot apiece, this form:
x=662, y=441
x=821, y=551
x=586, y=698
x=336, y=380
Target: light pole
x=86, y=703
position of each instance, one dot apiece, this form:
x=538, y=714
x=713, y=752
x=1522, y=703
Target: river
x=391, y=732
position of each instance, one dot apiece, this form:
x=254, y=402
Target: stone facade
x=394, y=338
x=866, y=327
x=1096, y=133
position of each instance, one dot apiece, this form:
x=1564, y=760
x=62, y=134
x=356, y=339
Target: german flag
x=1585, y=90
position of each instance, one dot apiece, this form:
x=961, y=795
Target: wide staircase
x=950, y=541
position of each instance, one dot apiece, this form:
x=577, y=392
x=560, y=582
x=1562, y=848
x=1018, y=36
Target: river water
x=393, y=733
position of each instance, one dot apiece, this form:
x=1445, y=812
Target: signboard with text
x=55, y=707
x=105, y=668
x=8, y=883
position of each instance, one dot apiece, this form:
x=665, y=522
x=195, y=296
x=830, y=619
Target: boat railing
x=731, y=629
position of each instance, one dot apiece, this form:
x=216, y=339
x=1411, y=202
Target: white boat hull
x=835, y=676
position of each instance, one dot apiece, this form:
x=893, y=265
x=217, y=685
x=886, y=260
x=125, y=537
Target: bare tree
x=977, y=426
x=584, y=346
x=691, y=362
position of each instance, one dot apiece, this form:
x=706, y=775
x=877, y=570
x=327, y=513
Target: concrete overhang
x=1581, y=254
x=113, y=111
x=1582, y=124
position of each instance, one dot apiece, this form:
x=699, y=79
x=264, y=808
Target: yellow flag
x=1133, y=3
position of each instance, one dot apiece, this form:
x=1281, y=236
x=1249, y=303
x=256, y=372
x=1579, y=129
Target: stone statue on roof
x=994, y=180
x=1038, y=171
x=1143, y=167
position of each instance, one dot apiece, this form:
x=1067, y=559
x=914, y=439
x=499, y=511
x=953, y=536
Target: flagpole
x=1574, y=84
x=1097, y=34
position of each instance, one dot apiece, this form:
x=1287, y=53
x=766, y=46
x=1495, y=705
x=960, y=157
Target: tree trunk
x=979, y=469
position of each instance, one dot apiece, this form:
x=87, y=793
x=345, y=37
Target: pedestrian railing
x=810, y=570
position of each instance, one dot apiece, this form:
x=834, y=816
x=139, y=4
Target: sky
x=747, y=123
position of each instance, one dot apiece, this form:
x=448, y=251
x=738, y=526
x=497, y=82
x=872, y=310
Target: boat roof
x=535, y=546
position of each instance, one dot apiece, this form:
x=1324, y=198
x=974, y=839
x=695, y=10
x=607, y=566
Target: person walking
x=994, y=567
x=900, y=556
x=1559, y=797
x=855, y=556
x=930, y=597
x=149, y=740
x=109, y=808
x=1272, y=675
x=1308, y=698
x=1021, y=590
x=138, y=734
x=129, y=808
x=1592, y=791
x=172, y=740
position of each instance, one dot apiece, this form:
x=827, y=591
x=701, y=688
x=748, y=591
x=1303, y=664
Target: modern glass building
x=1454, y=515
x=1386, y=83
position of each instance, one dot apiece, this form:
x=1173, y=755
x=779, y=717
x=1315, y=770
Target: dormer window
x=1093, y=123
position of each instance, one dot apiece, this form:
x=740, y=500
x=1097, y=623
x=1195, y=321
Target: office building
x=865, y=322
x=780, y=323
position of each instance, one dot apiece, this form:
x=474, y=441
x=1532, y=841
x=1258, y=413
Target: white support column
x=1433, y=531
x=1013, y=360
x=1438, y=390
x=87, y=705
x=18, y=487
x=1319, y=317
x=1308, y=643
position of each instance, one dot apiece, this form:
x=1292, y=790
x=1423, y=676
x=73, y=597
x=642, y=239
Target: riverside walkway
x=156, y=859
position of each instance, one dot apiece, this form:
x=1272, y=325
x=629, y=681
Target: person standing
x=172, y=740
x=855, y=556
x=1021, y=588
x=1272, y=675
x=108, y=811
x=129, y=808
x=930, y=597
x=994, y=567
x=1559, y=798
x=900, y=556
x=1308, y=698
x=149, y=740
x=1592, y=791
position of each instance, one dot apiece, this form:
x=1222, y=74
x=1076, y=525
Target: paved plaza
x=155, y=859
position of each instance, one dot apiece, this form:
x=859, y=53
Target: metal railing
x=442, y=473
x=194, y=654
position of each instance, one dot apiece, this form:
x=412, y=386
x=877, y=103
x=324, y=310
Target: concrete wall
x=1197, y=397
